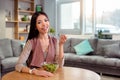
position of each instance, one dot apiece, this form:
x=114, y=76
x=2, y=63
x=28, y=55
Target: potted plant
x=100, y=34
x=24, y=18
x=52, y=31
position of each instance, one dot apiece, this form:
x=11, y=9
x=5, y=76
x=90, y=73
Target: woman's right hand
x=42, y=73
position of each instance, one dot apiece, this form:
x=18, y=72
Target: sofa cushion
x=83, y=47
x=9, y=62
x=111, y=62
x=23, y=44
x=17, y=47
x=112, y=50
x=103, y=42
x=94, y=59
x=75, y=41
x=67, y=46
x=5, y=48
x=118, y=62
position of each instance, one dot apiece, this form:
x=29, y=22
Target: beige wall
x=2, y=19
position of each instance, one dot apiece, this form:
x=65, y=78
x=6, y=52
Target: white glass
x=108, y=16
x=70, y=15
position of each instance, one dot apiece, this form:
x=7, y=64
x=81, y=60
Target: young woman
x=40, y=47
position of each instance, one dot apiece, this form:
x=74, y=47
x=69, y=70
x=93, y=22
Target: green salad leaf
x=50, y=67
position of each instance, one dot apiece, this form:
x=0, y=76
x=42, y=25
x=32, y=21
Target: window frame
x=65, y=31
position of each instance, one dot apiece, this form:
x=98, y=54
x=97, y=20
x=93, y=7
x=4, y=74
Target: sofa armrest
x=16, y=47
x=0, y=68
x=0, y=63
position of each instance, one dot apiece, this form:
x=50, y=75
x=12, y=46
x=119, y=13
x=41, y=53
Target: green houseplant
x=52, y=31
x=24, y=18
x=100, y=35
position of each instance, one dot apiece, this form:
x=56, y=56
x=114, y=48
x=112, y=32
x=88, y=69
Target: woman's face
x=42, y=24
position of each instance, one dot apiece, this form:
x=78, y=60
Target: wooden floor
x=107, y=77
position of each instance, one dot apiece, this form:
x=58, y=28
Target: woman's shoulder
x=32, y=41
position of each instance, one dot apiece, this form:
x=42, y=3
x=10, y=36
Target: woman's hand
x=42, y=73
x=62, y=40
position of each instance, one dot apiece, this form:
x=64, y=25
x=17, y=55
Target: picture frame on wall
x=39, y=8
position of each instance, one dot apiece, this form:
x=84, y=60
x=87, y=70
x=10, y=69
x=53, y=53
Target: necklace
x=44, y=45
x=45, y=54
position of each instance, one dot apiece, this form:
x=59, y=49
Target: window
x=108, y=16
x=88, y=16
x=69, y=20
x=70, y=15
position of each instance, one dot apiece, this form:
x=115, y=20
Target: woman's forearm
x=23, y=57
x=61, y=56
x=61, y=51
x=61, y=45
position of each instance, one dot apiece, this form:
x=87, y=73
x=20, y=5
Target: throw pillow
x=5, y=48
x=112, y=50
x=83, y=48
x=17, y=47
x=23, y=44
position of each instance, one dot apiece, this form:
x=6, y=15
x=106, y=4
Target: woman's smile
x=42, y=24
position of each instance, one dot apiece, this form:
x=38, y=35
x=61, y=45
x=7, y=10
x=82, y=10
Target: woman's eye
x=39, y=22
x=46, y=20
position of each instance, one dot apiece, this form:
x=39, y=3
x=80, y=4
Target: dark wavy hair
x=33, y=30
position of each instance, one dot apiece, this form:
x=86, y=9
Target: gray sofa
x=98, y=60
x=9, y=52
x=104, y=59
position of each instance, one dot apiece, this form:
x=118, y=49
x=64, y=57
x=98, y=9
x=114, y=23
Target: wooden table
x=65, y=73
